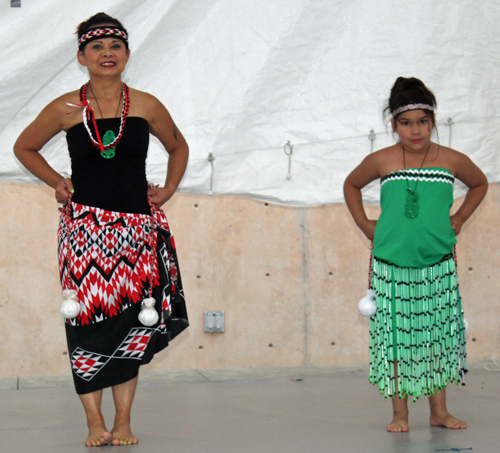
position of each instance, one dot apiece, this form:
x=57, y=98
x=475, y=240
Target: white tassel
x=148, y=315
x=70, y=306
x=367, y=306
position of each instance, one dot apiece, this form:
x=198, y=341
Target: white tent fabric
x=241, y=79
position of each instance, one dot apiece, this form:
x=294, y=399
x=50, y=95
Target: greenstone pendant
x=109, y=136
x=411, y=206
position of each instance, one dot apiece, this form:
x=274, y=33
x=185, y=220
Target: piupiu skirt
x=114, y=261
x=418, y=324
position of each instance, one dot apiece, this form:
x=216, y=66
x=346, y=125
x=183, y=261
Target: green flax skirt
x=419, y=324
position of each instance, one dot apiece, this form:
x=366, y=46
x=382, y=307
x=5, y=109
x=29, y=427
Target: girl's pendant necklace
x=109, y=141
x=411, y=206
x=412, y=197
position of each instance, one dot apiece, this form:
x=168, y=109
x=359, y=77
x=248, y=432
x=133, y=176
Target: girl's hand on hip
x=456, y=224
x=64, y=189
x=368, y=228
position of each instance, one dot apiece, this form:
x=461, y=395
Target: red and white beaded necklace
x=110, y=141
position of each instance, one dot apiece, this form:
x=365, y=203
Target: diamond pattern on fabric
x=135, y=344
x=87, y=364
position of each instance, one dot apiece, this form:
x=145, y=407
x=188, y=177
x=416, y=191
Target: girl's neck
x=420, y=151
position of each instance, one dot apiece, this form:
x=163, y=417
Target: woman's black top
x=117, y=184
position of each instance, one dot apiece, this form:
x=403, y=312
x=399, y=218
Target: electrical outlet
x=214, y=321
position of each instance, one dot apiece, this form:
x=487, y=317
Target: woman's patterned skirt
x=114, y=261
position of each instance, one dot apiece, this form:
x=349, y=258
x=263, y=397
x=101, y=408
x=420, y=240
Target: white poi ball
x=367, y=306
x=70, y=306
x=148, y=315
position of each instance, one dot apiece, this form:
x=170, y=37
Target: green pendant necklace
x=108, y=138
x=109, y=135
x=411, y=205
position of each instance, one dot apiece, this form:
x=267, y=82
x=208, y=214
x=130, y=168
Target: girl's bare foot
x=122, y=434
x=98, y=435
x=399, y=423
x=439, y=413
x=447, y=421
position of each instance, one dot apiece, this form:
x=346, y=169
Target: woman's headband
x=404, y=108
x=102, y=32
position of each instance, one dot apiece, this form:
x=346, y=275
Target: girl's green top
x=425, y=239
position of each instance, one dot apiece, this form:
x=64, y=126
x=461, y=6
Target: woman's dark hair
x=410, y=90
x=97, y=20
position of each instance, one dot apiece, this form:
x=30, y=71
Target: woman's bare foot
x=399, y=423
x=122, y=435
x=447, y=421
x=98, y=435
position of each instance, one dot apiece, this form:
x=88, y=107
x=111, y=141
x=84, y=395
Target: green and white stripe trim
x=420, y=174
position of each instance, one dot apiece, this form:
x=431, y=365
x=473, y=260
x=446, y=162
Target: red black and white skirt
x=114, y=261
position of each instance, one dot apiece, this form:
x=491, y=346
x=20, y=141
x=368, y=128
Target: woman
x=115, y=247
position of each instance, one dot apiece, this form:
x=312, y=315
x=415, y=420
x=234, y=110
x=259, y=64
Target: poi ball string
x=367, y=306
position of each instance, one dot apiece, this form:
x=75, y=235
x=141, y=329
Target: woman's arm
x=46, y=125
x=163, y=127
x=471, y=175
x=362, y=175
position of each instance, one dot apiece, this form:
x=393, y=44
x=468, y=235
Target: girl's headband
x=102, y=32
x=404, y=108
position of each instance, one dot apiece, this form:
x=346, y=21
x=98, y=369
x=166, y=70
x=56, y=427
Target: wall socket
x=214, y=321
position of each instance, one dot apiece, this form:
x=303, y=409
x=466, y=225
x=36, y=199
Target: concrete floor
x=306, y=410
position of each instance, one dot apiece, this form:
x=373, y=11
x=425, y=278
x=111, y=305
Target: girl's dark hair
x=410, y=90
x=97, y=20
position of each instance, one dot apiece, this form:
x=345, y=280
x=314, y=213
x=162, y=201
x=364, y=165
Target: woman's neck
x=104, y=89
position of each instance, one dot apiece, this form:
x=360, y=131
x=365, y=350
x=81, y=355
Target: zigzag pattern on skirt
x=108, y=257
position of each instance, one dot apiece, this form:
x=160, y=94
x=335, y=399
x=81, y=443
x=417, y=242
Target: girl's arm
x=47, y=124
x=163, y=127
x=471, y=175
x=362, y=175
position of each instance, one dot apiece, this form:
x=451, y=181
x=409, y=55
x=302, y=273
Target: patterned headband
x=404, y=108
x=100, y=32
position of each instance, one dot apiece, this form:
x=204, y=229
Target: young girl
x=116, y=252
x=417, y=338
